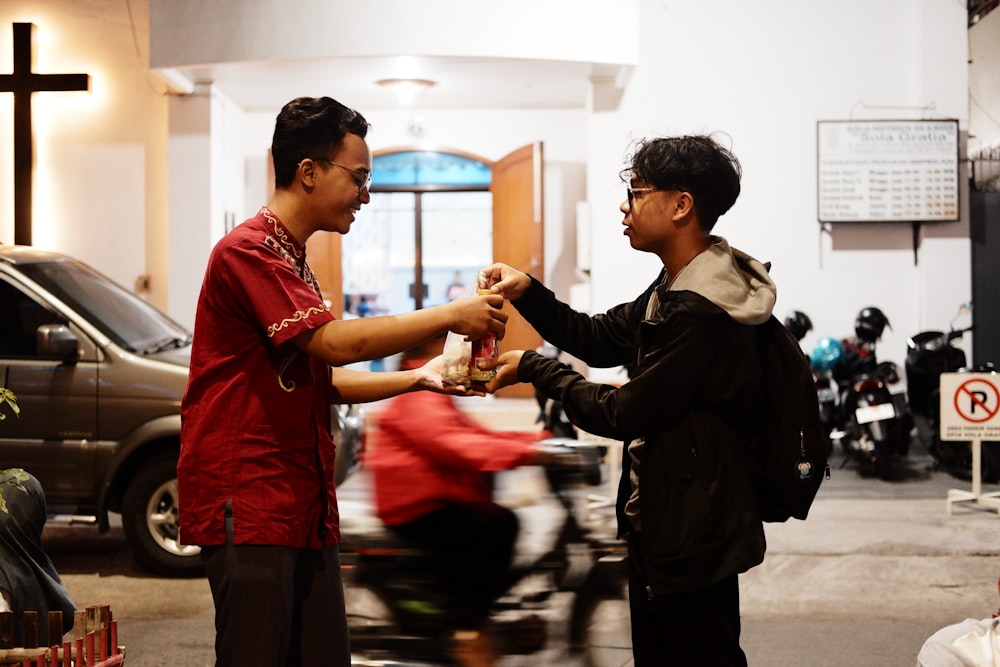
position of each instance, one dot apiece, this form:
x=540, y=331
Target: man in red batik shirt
x=256, y=469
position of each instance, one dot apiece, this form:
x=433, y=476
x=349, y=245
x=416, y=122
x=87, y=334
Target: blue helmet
x=827, y=354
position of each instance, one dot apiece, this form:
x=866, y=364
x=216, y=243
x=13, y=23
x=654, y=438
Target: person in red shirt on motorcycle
x=432, y=469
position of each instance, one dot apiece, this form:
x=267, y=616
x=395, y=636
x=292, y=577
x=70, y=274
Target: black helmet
x=870, y=323
x=798, y=324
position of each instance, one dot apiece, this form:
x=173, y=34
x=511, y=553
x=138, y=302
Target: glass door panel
x=380, y=242
x=457, y=234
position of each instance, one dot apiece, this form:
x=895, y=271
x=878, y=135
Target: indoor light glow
x=406, y=90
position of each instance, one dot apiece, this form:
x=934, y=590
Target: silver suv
x=99, y=374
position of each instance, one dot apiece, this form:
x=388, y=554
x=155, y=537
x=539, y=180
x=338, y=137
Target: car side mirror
x=56, y=341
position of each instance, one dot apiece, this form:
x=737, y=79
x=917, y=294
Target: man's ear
x=307, y=172
x=684, y=203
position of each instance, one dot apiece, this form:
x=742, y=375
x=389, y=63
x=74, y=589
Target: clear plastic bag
x=457, y=357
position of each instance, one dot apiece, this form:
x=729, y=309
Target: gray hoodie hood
x=732, y=280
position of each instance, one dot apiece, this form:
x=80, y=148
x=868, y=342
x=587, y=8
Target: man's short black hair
x=310, y=127
x=694, y=163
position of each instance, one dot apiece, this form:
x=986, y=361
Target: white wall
x=763, y=75
x=207, y=189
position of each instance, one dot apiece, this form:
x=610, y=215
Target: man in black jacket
x=685, y=499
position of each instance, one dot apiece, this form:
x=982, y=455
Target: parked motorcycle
x=395, y=612
x=874, y=421
x=928, y=355
x=825, y=355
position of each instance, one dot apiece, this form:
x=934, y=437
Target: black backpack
x=789, y=456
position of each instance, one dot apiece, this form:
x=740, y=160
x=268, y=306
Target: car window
x=20, y=317
x=130, y=322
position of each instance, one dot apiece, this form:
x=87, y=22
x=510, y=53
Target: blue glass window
x=414, y=168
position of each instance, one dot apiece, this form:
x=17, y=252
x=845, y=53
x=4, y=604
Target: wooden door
x=323, y=254
x=518, y=238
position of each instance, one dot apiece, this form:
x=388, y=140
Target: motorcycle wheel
x=875, y=458
x=884, y=465
x=370, y=621
x=861, y=448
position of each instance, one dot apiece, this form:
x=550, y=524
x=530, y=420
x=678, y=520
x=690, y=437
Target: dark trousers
x=473, y=548
x=693, y=628
x=277, y=606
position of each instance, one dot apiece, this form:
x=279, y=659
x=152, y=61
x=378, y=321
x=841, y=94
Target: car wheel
x=149, y=518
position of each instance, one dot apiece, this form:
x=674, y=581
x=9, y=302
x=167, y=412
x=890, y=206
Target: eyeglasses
x=362, y=178
x=631, y=192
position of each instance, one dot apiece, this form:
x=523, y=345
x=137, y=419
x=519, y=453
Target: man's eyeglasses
x=631, y=192
x=362, y=178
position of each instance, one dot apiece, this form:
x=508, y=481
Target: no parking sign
x=970, y=406
x=970, y=410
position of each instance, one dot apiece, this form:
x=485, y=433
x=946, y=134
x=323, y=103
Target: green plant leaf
x=8, y=398
x=14, y=477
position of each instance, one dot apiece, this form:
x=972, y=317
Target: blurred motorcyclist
x=432, y=469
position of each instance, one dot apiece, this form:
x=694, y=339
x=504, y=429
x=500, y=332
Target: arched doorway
x=425, y=235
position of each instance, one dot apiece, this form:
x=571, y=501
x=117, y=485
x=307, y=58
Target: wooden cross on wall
x=23, y=82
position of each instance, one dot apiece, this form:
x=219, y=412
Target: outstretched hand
x=505, y=280
x=477, y=315
x=506, y=370
x=430, y=376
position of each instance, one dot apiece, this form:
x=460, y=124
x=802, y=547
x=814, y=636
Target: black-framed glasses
x=362, y=178
x=631, y=192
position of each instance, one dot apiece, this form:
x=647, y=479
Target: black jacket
x=695, y=374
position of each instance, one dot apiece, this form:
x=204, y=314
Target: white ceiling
x=520, y=54
x=460, y=82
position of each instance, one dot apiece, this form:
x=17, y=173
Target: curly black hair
x=693, y=163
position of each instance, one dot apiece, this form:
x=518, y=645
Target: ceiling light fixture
x=406, y=90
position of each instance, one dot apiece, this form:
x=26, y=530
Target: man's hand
x=430, y=377
x=473, y=316
x=505, y=280
x=506, y=370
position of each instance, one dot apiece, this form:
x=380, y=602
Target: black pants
x=277, y=606
x=694, y=628
x=473, y=549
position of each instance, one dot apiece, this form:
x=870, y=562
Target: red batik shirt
x=255, y=431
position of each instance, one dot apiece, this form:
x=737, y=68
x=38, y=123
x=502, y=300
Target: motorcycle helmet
x=798, y=324
x=870, y=323
x=826, y=355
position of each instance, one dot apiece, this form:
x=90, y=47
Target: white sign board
x=888, y=171
x=970, y=406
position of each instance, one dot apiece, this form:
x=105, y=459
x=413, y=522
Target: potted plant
x=13, y=476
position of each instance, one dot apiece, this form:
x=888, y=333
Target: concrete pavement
x=875, y=569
